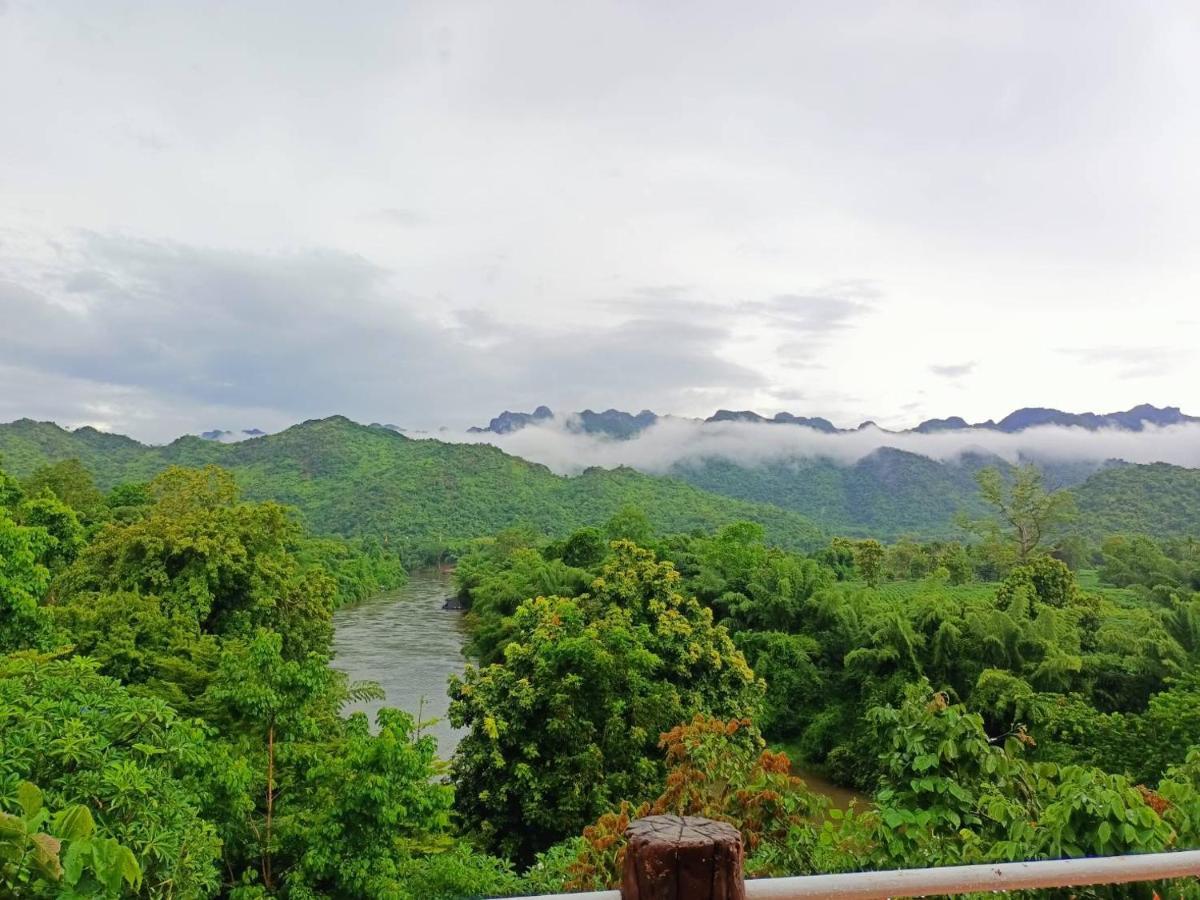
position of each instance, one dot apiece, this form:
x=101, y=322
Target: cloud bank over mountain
x=436, y=209
x=671, y=442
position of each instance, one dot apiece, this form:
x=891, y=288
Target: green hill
x=1160, y=500
x=890, y=493
x=352, y=479
x=885, y=494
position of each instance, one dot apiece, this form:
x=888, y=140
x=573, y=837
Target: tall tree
x=1026, y=517
x=71, y=483
x=566, y=726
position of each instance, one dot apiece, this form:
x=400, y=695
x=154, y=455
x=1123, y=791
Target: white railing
x=961, y=879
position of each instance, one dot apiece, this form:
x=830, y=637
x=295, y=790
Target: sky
x=246, y=214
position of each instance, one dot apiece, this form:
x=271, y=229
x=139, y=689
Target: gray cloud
x=314, y=333
x=968, y=158
x=953, y=371
x=814, y=315
x=85, y=282
x=812, y=321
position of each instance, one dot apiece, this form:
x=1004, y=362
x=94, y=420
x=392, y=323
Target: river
x=406, y=642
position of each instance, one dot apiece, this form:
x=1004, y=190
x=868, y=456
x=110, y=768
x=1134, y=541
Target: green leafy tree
x=72, y=484
x=381, y=825
x=268, y=706
x=1045, y=579
x=62, y=527
x=777, y=593
x=198, y=568
x=839, y=556
x=498, y=592
x=67, y=859
x=630, y=524
x=566, y=725
x=795, y=684
x=10, y=490
x=23, y=582
x=86, y=739
x=1025, y=518
x=869, y=557
x=128, y=501
x=585, y=548
x=955, y=559
x=951, y=794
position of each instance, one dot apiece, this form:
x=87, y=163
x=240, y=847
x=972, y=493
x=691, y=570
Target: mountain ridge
x=620, y=424
x=360, y=480
x=351, y=479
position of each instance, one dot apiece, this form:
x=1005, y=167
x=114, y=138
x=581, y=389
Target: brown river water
x=409, y=645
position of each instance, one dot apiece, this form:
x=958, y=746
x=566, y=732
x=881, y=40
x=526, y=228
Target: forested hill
x=1159, y=499
x=891, y=493
x=353, y=479
x=885, y=494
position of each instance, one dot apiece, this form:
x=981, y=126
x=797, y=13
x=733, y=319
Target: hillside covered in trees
x=172, y=725
x=353, y=479
x=420, y=495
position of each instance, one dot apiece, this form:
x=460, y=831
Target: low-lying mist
x=670, y=442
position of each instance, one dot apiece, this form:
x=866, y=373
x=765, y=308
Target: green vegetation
x=589, y=683
x=168, y=687
x=891, y=493
x=1159, y=500
x=886, y=494
x=418, y=496
x=1017, y=718
x=165, y=681
x=68, y=859
x=425, y=496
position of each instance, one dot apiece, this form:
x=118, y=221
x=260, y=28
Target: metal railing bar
x=970, y=879
x=961, y=879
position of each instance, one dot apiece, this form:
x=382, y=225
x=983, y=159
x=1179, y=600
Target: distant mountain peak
x=780, y=418
x=230, y=437
x=953, y=423
x=612, y=422
x=508, y=422
x=620, y=424
x=1135, y=419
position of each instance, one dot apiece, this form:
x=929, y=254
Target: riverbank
x=840, y=796
x=407, y=642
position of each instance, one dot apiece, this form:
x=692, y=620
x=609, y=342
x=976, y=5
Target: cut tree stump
x=682, y=858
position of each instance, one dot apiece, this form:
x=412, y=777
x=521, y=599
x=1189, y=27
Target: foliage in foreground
x=166, y=682
x=67, y=859
x=567, y=724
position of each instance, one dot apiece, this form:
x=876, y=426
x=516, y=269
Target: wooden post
x=682, y=858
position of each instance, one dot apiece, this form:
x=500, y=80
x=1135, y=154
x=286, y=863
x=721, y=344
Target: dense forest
x=419, y=495
x=425, y=495
x=170, y=725
x=893, y=493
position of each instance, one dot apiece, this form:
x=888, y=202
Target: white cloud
x=926, y=184
x=671, y=442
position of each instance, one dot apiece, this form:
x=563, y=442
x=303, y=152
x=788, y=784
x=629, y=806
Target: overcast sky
x=245, y=214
